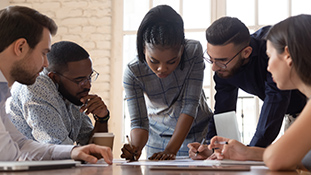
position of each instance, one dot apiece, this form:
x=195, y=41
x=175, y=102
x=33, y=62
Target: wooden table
x=117, y=169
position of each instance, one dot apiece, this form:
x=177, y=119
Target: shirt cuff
x=62, y=152
x=190, y=110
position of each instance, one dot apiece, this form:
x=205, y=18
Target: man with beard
x=25, y=40
x=54, y=109
x=240, y=61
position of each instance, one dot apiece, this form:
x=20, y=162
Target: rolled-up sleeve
x=194, y=81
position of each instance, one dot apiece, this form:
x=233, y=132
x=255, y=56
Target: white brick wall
x=86, y=22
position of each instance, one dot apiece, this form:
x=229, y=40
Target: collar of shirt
x=2, y=78
x=4, y=90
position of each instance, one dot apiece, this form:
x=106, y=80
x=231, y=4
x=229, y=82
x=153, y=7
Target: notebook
x=37, y=165
x=227, y=125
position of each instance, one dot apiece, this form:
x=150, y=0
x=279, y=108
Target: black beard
x=70, y=97
x=234, y=70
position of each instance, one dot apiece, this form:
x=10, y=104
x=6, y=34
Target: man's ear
x=21, y=46
x=247, y=52
x=54, y=77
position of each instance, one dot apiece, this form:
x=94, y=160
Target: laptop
x=227, y=125
x=37, y=165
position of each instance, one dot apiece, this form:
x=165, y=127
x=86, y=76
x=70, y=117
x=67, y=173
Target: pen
x=222, y=143
x=128, y=140
x=202, y=143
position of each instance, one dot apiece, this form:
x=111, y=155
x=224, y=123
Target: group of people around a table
x=45, y=99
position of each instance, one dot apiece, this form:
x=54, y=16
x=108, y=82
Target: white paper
x=177, y=162
x=235, y=162
x=101, y=162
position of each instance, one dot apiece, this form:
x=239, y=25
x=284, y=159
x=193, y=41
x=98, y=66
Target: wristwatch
x=102, y=119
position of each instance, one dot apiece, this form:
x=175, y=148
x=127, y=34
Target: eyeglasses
x=217, y=62
x=83, y=81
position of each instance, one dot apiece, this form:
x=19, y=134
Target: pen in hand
x=128, y=140
x=220, y=143
x=202, y=143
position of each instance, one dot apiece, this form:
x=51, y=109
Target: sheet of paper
x=177, y=162
x=259, y=167
x=101, y=162
x=235, y=162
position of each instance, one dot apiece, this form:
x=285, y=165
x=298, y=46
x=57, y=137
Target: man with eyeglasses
x=54, y=109
x=240, y=62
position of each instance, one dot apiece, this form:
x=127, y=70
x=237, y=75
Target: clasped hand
x=93, y=104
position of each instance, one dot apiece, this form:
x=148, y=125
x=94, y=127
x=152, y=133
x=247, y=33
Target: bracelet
x=102, y=119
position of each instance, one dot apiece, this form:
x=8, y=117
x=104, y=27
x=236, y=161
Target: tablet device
x=37, y=165
x=227, y=126
x=200, y=168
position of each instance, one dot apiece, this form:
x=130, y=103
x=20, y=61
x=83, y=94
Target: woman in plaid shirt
x=163, y=86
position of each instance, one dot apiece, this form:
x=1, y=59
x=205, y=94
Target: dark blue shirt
x=254, y=78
